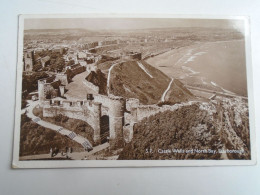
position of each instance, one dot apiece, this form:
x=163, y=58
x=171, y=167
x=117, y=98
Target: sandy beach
x=216, y=65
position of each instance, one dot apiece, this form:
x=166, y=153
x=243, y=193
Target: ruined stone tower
x=41, y=93
x=28, y=61
x=96, y=121
x=116, y=121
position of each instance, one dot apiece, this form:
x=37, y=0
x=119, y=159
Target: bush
x=64, y=119
x=58, y=118
x=81, y=126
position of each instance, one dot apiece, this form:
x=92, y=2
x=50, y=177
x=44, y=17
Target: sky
x=127, y=23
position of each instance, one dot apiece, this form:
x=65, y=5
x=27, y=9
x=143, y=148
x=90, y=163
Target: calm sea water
x=222, y=63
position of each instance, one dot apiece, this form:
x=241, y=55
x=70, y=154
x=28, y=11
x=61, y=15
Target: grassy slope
x=35, y=139
x=178, y=93
x=130, y=81
x=78, y=126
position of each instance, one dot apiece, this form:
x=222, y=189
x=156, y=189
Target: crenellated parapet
x=91, y=110
x=85, y=110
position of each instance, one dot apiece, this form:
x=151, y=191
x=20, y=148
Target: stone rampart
x=91, y=86
x=142, y=111
x=87, y=111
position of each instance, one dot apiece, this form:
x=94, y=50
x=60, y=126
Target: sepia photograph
x=96, y=91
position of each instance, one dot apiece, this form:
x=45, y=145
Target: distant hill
x=138, y=79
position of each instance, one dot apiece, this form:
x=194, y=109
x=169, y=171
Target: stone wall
x=128, y=132
x=91, y=111
x=91, y=86
x=87, y=111
x=142, y=111
x=116, y=110
x=45, y=89
x=132, y=102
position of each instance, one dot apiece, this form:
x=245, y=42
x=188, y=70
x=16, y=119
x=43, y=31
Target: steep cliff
x=200, y=129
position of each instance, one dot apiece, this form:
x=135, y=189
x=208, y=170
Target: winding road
x=144, y=69
x=75, y=137
x=166, y=91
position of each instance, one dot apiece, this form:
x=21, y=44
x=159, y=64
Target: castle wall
x=104, y=100
x=142, y=111
x=116, y=110
x=128, y=132
x=49, y=85
x=104, y=111
x=86, y=111
x=41, y=94
x=91, y=86
x=116, y=121
x=132, y=102
x=91, y=111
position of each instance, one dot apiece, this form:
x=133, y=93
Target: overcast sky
x=127, y=23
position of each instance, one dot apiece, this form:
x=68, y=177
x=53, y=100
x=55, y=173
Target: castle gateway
x=105, y=114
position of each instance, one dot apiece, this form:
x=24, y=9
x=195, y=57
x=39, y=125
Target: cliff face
x=99, y=79
x=200, y=128
x=138, y=79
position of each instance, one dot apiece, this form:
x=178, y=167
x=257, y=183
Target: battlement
x=90, y=110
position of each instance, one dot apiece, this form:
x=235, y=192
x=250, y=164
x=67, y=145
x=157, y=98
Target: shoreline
x=184, y=64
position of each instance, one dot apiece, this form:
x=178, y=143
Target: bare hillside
x=138, y=79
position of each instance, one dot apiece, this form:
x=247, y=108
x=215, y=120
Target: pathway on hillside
x=166, y=91
x=75, y=137
x=144, y=69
